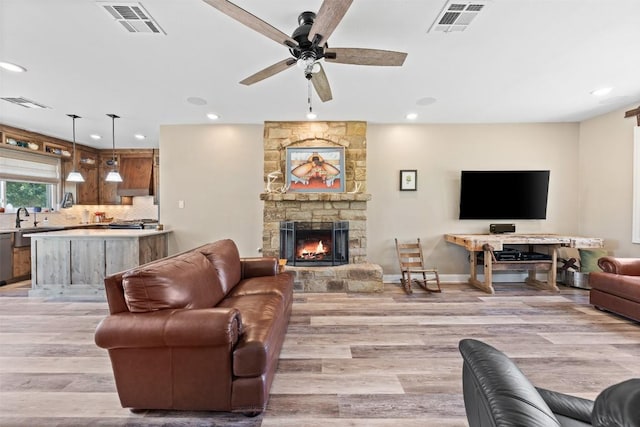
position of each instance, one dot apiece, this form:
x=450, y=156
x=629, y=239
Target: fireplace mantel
x=314, y=197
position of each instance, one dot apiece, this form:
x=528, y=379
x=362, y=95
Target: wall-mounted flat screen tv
x=504, y=194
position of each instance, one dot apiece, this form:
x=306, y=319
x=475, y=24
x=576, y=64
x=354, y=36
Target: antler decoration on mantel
x=356, y=188
x=271, y=178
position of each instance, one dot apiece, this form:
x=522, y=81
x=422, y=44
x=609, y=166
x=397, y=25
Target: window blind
x=23, y=166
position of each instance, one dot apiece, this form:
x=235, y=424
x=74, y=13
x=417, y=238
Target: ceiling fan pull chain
x=309, y=95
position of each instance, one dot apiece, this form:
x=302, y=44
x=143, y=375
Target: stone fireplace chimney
x=349, y=206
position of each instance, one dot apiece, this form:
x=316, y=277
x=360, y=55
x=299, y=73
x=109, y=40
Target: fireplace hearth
x=314, y=243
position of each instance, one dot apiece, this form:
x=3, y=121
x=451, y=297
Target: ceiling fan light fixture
x=311, y=115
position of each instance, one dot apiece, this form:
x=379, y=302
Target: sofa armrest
x=256, y=267
x=569, y=406
x=209, y=327
x=626, y=266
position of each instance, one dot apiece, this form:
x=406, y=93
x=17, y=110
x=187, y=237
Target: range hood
x=137, y=176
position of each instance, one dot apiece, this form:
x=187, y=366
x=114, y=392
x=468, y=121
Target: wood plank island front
x=488, y=243
x=74, y=263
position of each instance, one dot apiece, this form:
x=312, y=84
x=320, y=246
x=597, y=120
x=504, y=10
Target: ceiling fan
x=308, y=44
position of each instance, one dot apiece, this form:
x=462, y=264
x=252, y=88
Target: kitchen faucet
x=18, y=220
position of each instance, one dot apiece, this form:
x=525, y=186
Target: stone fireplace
x=311, y=207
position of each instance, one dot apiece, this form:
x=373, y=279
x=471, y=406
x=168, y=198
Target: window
x=28, y=179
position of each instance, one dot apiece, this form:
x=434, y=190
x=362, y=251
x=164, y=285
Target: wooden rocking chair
x=412, y=263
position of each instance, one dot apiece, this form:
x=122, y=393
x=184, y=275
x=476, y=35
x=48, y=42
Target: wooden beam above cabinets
x=634, y=112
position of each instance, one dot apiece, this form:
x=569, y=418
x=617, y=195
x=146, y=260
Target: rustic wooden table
x=488, y=243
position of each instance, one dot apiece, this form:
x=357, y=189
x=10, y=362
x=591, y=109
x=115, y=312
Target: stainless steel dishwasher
x=6, y=266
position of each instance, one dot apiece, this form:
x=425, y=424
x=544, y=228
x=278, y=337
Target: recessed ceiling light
x=602, y=91
x=95, y=136
x=213, y=116
x=139, y=136
x=12, y=67
x=411, y=116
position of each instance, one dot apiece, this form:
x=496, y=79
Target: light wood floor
x=348, y=359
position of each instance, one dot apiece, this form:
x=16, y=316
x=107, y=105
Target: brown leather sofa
x=617, y=287
x=201, y=330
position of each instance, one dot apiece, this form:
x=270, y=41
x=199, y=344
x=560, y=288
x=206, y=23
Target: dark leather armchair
x=497, y=393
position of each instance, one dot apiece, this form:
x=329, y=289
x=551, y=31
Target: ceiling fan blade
x=252, y=21
x=359, y=56
x=321, y=85
x=327, y=19
x=269, y=71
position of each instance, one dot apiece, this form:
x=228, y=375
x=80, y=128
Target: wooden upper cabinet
x=108, y=190
x=139, y=168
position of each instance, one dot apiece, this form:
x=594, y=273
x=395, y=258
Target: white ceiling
x=519, y=61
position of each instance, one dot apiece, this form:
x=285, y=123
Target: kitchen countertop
x=92, y=224
x=96, y=233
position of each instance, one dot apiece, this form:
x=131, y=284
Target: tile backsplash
x=142, y=208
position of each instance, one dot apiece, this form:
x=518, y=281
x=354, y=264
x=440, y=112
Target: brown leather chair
x=617, y=287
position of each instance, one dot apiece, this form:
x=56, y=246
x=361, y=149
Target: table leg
x=488, y=270
x=550, y=285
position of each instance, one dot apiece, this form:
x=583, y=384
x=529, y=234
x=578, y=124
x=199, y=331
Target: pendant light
x=74, y=176
x=113, y=176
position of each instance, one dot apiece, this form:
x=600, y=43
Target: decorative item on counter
x=85, y=216
x=160, y=227
x=98, y=217
x=67, y=202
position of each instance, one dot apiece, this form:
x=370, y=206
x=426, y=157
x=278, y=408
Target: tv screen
x=504, y=194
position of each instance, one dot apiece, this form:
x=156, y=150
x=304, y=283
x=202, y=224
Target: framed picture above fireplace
x=315, y=169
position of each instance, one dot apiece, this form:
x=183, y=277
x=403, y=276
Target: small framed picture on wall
x=408, y=180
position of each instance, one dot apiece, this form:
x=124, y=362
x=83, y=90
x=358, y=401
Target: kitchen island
x=74, y=263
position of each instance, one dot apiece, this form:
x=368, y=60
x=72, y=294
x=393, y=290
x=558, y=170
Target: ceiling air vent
x=132, y=16
x=457, y=15
x=24, y=102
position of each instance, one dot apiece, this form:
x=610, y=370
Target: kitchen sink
x=19, y=240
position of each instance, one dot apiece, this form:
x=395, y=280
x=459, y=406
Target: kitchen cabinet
x=21, y=261
x=139, y=168
x=107, y=191
x=87, y=165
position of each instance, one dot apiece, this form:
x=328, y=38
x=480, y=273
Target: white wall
x=606, y=181
x=217, y=171
x=439, y=153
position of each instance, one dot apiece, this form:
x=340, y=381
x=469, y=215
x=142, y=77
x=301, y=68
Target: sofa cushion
x=184, y=281
x=280, y=284
x=264, y=320
x=225, y=258
x=627, y=287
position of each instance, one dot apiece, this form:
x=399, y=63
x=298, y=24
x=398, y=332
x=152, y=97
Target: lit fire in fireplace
x=312, y=250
